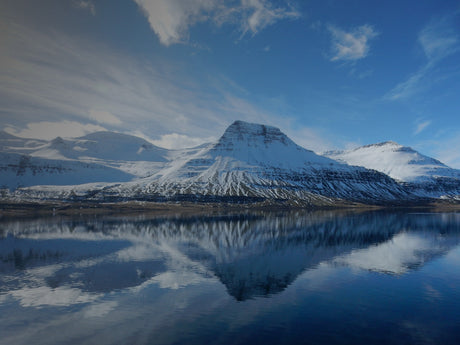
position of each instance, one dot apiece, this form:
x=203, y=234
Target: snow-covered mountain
x=97, y=157
x=252, y=161
x=249, y=163
x=420, y=174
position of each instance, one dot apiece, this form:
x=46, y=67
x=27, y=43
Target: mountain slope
x=422, y=175
x=19, y=170
x=121, y=155
x=104, y=146
x=257, y=161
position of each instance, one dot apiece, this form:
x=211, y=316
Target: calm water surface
x=269, y=278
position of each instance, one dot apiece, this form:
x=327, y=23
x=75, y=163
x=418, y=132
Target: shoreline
x=15, y=209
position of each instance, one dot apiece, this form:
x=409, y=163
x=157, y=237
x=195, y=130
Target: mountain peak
x=388, y=143
x=253, y=133
x=58, y=141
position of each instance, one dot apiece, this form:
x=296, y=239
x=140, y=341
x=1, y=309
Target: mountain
x=422, y=175
x=256, y=162
x=10, y=142
x=249, y=163
x=97, y=157
x=103, y=146
x=19, y=170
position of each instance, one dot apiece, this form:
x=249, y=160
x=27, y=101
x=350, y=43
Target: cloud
x=178, y=141
x=258, y=14
x=50, y=130
x=353, y=45
x=446, y=150
x=53, y=84
x=443, y=146
x=421, y=126
x=103, y=116
x=172, y=19
x=309, y=138
x=85, y=5
x=438, y=40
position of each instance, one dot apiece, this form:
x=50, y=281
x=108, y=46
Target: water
x=269, y=278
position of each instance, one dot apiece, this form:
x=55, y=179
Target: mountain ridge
x=422, y=175
x=249, y=162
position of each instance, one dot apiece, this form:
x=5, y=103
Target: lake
x=325, y=277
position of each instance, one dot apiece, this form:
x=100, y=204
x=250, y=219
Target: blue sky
x=330, y=74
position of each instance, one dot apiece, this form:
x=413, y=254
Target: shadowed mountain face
x=252, y=255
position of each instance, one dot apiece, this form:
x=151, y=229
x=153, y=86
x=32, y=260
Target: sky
x=329, y=74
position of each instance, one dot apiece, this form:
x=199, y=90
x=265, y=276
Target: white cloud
x=447, y=151
x=353, y=45
x=85, y=5
x=442, y=146
x=258, y=14
x=100, y=309
x=178, y=141
x=421, y=126
x=50, y=130
x=103, y=116
x=309, y=138
x=172, y=19
x=438, y=40
x=52, y=84
x=414, y=84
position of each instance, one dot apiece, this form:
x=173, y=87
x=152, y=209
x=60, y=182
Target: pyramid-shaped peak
x=243, y=126
x=57, y=141
x=245, y=131
x=388, y=143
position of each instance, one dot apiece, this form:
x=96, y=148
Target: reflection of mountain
x=252, y=255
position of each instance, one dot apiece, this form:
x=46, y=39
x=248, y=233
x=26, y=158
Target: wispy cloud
x=85, y=5
x=258, y=14
x=172, y=19
x=103, y=116
x=352, y=45
x=421, y=126
x=443, y=147
x=176, y=141
x=438, y=40
x=52, y=129
x=52, y=84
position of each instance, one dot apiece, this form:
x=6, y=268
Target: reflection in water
x=253, y=255
x=62, y=263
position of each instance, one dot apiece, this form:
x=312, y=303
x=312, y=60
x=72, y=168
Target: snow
x=249, y=160
x=22, y=171
x=116, y=157
x=254, y=160
x=401, y=163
